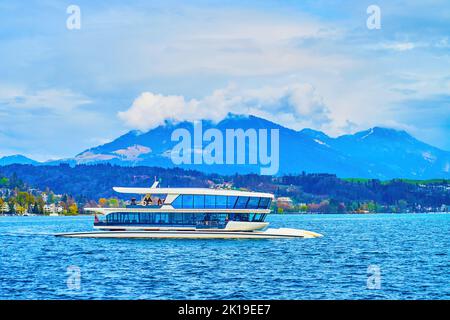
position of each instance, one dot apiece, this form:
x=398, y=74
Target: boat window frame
x=197, y=197
x=229, y=198
x=261, y=203
x=254, y=206
x=222, y=205
x=241, y=204
x=184, y=205
x=213, y=205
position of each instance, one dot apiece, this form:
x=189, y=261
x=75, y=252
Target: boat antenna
x=155, y=183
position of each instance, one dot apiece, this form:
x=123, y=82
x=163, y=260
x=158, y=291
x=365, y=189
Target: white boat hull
x=199, y=234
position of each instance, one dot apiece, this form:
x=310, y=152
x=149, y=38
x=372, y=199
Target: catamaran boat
x=189, y=213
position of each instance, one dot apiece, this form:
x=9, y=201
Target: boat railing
x=204, y=224
x=138, y=206
x=197, y=224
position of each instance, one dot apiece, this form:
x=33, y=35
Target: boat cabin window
x=210, y=202
x=180, y=218
x=221, y=202
x=199, y=201
x=264, y=203
x=253, y=203
x=188, y=201
x=231, y=202
x=241, y=202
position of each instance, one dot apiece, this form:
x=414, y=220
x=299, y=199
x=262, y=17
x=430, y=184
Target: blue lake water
x=412, y=252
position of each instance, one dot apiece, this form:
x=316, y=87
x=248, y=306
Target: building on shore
x=284, y=203
x=4, y=208
x=53, y=209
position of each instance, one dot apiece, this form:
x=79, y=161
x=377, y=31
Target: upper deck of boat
x=193, y=191
x=193, y=200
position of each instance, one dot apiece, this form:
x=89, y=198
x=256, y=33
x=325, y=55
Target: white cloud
x=124, y=49
x=443, y=43
x=49, y=123
x=190, y=40
x=55, y=99
x=296, y=105
x=399, y=46
x=150, y=110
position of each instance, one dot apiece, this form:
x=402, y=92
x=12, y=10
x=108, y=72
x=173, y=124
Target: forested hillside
x=308, y=192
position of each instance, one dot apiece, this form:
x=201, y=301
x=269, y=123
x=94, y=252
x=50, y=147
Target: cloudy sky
x=300, y=63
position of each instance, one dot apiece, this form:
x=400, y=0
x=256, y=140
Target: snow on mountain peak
x=133, y=152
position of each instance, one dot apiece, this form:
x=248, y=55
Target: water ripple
x=410, y=250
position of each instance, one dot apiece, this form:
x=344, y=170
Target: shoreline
x=274, y=214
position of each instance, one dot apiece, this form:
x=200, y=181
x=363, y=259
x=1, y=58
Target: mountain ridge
x=378, y=152
x=16, y=159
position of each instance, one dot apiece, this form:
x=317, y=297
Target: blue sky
x=300, y=63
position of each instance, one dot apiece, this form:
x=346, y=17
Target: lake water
x=383, y=256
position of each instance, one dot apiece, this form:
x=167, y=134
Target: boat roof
x=194, y=191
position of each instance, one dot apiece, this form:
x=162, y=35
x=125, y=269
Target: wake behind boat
x=194, y=213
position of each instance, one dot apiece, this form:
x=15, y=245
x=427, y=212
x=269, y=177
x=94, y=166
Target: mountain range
x=380, y=153
x=17, y=159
